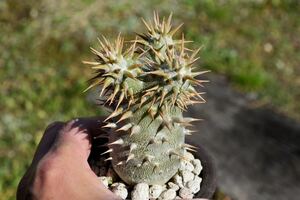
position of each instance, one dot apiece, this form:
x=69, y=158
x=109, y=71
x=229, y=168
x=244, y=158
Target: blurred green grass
x=254, y=43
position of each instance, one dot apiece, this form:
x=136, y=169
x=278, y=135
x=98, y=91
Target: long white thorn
x=146, y=24
x=125, y=127
x=120, y=163
x=189, y=145
x=114, y=114
x=135, y=129
x=120, y=98
x=190, y=149
x=90, y=62
x=108, y=159
x=126, y=115
x=185, y=120
x=108, y=151
x=131, y=156
x=119, y=141
x=110, y=125
x=179, y=155
x=133, y=146
x=189, y=132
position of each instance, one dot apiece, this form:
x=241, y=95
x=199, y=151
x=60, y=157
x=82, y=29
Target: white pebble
x=185, y=193
x=197, y=166
x=189, y=155
x=187, y=176
x=104, y=180
x=120, y=190
x=155, y=191
x=198, y=179
x=186, y=165
x=118, y=184
x=168, y=194
x=189, y=166
x=140, y=192
x=173, y=186
x=194, y=186
x=178, y=180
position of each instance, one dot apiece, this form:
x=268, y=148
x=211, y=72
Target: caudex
x=147, y=85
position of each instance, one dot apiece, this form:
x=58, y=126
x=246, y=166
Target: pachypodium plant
x=147, y=86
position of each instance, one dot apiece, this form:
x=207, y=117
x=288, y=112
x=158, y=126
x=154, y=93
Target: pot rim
x=208, y=173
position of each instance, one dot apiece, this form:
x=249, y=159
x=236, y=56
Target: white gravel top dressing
x=184, y=184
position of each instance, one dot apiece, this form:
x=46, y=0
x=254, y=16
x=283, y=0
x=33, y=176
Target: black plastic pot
x=208, y=173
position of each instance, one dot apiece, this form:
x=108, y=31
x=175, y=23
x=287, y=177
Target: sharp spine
x=106, y=83
x=110, y=125
x=119, y=141
x=189, y=145
x=133, y=146
x=114, y=114
x=125, y=127
x=108, y=159
x=126, y=115
x=120, y=163
x=179, y=155
x=130, y=157
x=108, y=151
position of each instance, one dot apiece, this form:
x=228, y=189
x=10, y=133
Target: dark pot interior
x=208, y=174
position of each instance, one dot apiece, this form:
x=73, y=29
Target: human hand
x=59, y=169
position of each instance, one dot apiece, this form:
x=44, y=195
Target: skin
x=59, y=169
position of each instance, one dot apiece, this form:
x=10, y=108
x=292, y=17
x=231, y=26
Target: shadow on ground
x=256, y=151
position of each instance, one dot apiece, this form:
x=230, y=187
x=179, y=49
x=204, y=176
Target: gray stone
x=187, y=176
x=140, y=192
x=169, y=194
x=178, y=180
x=186, y=193
x=104, y=180
x=118, y=184
x=197, y=166
x=198, y=179
x=173, y=186
x=155, y=191
x=120, y=190
x=189, y=155
x=194, y=186
x=186, y=165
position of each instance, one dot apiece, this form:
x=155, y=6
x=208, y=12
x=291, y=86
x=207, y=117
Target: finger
x=45, y=144
x=77, y=135
x=47, y=140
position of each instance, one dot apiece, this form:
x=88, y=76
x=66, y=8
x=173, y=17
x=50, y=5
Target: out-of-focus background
x=253, y=109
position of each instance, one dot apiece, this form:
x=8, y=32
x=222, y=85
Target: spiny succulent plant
x=147, y=86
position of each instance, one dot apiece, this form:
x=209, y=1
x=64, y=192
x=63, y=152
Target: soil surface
x=256, y=151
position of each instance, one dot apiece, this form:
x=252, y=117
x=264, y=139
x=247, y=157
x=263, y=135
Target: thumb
x=75, y=137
